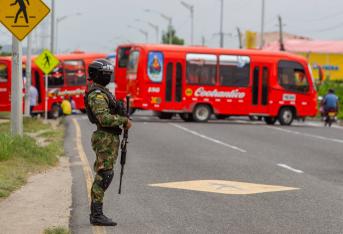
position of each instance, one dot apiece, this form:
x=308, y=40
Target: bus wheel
x=286, y=116
x=202, y=113
x=55, y=111
x=270, y=120
x=187, y=117
x=164, y=115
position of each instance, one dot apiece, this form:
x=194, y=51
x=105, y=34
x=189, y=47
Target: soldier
x=102, y=110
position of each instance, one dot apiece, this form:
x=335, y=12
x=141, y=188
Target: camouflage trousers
x=105, y=146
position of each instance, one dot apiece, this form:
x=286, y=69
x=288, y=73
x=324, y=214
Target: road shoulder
x=43, y=202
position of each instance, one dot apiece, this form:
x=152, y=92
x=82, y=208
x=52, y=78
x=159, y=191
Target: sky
x=103, y=24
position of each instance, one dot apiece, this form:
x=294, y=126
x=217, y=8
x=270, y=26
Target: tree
x=171, y=35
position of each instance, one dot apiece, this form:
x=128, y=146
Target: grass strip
x=56, y=230
x=21, y=156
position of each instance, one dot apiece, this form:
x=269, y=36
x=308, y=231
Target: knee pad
x=107, y=177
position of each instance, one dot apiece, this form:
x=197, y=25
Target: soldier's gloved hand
x=128, y=125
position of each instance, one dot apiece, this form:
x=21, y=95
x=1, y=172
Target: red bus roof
x=202, y=49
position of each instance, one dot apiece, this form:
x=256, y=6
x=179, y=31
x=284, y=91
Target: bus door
x=174, y=71
x=260, y=89
x=5, y=86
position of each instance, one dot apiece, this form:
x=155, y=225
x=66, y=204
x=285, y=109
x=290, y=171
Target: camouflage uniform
x=104, y=143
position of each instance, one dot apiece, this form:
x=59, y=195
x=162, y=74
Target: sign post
x=28, y=76
x=16, y=89
x=20, y=18
x=46, y=61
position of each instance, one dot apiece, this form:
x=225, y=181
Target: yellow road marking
x=224, y=187
x=86, y=171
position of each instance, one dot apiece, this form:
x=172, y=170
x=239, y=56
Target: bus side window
x=3, y=73
x=234, y=70
x=201, y=69
x=292, y=77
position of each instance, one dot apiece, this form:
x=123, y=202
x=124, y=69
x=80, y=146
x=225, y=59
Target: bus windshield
x=75, y=72
x=132, y=66
x=123, y=56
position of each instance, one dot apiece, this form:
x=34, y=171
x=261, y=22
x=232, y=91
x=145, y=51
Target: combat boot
x=97, y=217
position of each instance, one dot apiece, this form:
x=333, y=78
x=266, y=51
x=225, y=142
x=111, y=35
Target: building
x=326, y=54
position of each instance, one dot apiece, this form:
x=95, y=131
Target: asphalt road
x=234, y=176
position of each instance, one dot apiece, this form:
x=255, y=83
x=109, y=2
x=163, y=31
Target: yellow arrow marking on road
x=224, y=187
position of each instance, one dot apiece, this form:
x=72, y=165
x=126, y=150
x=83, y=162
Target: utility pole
x=239, y=38
x=221, y=43
x=262, y=26
x=157, y=30
x=167, y=18
x=154, y=26
x=282, y=46
x=191, y=9
x=16, y=89
x=53, y=21
x=145, y=33
x=28, y=75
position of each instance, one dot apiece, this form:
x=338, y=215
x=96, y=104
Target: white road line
x=321, y=124
x=290, y=168
x=209, y=138
x=308, y=135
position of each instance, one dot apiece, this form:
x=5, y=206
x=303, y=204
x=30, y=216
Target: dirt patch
x=4, y=121
x=44, y=202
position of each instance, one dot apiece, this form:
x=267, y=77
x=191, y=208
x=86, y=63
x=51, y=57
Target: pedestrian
x=33, y=98
x=66, y=106
x=102, y=110
x=73, y=105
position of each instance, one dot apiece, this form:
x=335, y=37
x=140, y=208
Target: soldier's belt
x=115, y=131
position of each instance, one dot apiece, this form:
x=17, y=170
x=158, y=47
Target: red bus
x=196, y=82
x=69, y=79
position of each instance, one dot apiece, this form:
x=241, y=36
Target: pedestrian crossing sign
x=20, y=17
x=46, y=61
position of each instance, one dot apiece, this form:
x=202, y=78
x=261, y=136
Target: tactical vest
x=112, y=106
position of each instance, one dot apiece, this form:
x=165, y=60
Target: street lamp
x=221, y=24
x=145, y=33
x=154, y=26
x=59, y=20
x=167, y=18
x=191, y=9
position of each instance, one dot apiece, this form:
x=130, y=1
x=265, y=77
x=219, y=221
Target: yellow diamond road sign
x=224, y=187
x=46, y=61
x=20, y=17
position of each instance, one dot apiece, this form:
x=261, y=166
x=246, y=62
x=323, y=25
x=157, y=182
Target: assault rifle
x=123, y=145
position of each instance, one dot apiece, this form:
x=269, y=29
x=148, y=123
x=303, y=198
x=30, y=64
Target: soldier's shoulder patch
x=100, y=97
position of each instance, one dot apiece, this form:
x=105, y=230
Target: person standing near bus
x=102, y=110
x=33, y=98
x=66, y=106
